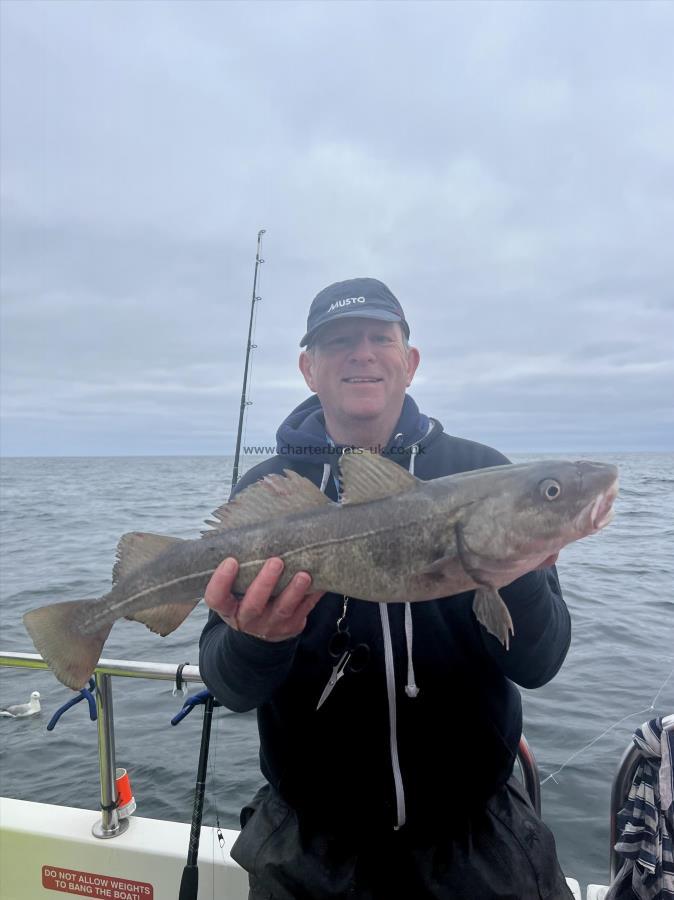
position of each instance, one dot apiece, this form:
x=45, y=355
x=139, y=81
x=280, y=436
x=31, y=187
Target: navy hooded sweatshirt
x=373, y=756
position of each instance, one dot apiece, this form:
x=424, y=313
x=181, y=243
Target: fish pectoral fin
x=164, y=619
x=488, y=605
x=367, y=476
x=136, y=549
x=274, y=495
x=491, y=611
x=437, y=570
x=71, y=655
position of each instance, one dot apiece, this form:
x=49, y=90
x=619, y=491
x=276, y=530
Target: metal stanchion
x=110, y=825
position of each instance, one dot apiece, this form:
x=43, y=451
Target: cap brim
x=382, y=315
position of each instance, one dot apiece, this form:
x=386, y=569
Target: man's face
x=360, y=369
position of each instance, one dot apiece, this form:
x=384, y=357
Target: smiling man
x=359, y=367
x=395, y=780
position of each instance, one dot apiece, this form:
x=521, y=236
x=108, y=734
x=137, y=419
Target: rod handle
x=189, y=883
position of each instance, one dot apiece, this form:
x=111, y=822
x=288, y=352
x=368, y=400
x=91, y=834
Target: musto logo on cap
x=348, y=301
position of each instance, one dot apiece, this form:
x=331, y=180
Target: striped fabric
x=647, y=820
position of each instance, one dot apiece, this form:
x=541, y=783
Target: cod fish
x=392, y=538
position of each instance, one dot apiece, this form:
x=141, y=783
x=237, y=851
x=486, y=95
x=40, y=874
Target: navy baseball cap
x=364, y=298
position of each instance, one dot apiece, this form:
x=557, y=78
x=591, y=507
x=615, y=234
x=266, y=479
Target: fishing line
x=661, y=688
x=216, y=832
x=610, y=728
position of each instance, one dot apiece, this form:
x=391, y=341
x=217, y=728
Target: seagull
x=21, y=710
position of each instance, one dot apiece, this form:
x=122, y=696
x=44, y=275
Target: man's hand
x=258, y=613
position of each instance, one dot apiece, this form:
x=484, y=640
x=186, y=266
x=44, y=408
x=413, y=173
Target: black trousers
x=504, y=853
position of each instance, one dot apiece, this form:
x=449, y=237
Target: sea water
x=61, y=519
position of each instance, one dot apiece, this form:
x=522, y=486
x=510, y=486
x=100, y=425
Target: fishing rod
x=189, y=884
x=249, y=346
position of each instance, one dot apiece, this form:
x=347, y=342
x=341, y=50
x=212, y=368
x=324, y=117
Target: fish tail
x=71, y=655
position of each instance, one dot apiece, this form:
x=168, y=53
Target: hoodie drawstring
x=326, y=477
x=411, y=688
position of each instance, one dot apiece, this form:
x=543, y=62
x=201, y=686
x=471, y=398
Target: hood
x=302, y=434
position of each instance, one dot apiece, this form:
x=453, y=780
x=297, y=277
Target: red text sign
x=89, y=884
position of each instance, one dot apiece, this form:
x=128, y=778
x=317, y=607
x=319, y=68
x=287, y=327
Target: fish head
x=525, y=513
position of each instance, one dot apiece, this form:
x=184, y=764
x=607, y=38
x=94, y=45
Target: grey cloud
x=624, y=350
x=505, y=167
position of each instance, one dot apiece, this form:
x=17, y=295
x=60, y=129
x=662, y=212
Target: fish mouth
x=600, y=512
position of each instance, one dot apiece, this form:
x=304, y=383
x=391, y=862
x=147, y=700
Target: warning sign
x=89, y=884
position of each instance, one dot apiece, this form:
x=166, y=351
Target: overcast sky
x=506, y=168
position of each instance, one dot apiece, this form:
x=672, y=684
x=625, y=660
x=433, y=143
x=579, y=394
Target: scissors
x=348, y=660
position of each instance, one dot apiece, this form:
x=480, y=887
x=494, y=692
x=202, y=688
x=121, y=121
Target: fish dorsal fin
x=137, y=548
x=274, y=495
x=367, y=476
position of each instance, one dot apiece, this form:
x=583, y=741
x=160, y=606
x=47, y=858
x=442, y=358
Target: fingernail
x=275, y=566
x=229, y=566
x=302, y=580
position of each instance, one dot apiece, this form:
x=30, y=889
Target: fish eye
x=550, y=489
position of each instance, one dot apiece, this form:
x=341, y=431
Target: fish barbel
x=393, y=538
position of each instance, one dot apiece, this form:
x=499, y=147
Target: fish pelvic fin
x=491, y=611
x=71, y=655
x=164, y=619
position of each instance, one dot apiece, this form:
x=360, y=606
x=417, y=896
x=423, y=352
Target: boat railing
x=111, y=825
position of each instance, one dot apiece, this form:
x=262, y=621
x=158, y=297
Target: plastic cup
x=126, y=802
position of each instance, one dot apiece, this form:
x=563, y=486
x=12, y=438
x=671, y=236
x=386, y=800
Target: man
x=398, y=782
